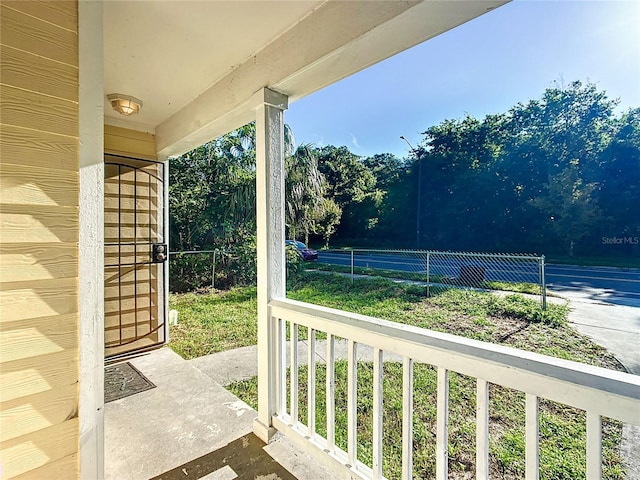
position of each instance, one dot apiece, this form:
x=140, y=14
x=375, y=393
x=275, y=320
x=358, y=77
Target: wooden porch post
x=269, y=107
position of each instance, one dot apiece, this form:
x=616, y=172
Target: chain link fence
x=223, y=268
x=487, y=271
x=218, y=268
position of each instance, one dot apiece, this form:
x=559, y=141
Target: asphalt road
x=603, y=284
x=600, y=284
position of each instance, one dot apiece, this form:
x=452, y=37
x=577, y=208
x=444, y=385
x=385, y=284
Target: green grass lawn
x=213, y=322
x=219, y=321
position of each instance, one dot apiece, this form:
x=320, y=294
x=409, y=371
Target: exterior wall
x=129, y=143
x=39, y=185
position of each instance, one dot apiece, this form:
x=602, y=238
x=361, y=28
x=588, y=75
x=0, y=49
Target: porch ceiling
x=196, y=64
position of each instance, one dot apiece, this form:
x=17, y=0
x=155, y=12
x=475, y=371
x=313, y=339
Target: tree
x=353, y=188
x=212, y=192
x=570, y=205
x=557, y=169
x=304, y=188
x=326, y=218
x=212, y=206
x=188, y=193
x=495, y=183
x=386, y=168
x=458, y=192
x=555, y=142
x=619, y=193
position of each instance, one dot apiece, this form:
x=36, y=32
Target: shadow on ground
x=242, y=458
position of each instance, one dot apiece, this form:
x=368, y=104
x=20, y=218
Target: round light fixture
x=124, y=104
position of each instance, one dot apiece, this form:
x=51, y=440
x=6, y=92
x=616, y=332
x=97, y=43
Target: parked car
x=307, y=254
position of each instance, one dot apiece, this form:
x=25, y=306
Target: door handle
x=159, y=253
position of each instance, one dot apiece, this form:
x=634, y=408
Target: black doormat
x=122, y=380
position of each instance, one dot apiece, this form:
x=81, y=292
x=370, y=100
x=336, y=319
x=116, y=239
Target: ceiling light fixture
x=124, y=104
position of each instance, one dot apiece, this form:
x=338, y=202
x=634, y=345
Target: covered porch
x=311, y=45
x=189, y=426
x=199, y=70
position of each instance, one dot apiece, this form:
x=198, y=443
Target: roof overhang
x=197, y=65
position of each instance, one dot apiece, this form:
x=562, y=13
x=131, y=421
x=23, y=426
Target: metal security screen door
x=135, y=255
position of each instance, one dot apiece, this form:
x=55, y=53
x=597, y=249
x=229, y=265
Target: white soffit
x=166, y=53
x=196, y=65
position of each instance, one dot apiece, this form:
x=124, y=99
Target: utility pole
x=418, y=201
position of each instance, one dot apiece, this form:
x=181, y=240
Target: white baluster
x=594, y=446
x=407, y=418
x=293, y=369
x=442, y=434
x=378, y=371
x=281, y=360
x=352, y=404
x=311, y=385
x=482, y=429
x=532, y=438
x=331, y=394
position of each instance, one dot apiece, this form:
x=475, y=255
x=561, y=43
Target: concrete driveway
x=613, y=326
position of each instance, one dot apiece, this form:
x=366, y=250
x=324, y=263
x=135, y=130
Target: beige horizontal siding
x=42, y=149
x=34, y=375
x=57, y=469
x=129, y=143
x=38, y=74
x=27, y=185
x=39, y=241
x=22, y=108
x=61, y=13
x=35, y=450
x=22, y=263
x=41, y=298
x=38, y=224
x=37, y=336
x=31, y=34
x=43, y=411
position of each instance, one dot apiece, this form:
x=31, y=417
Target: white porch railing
x=597, y=391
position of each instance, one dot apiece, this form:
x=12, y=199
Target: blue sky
x=507, y=56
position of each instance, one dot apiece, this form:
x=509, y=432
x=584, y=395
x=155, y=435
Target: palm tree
x=304, y=187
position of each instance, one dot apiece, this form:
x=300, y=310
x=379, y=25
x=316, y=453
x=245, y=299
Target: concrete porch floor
x=189, y=426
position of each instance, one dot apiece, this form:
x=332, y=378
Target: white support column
x=90, y=241
x=269, y=107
